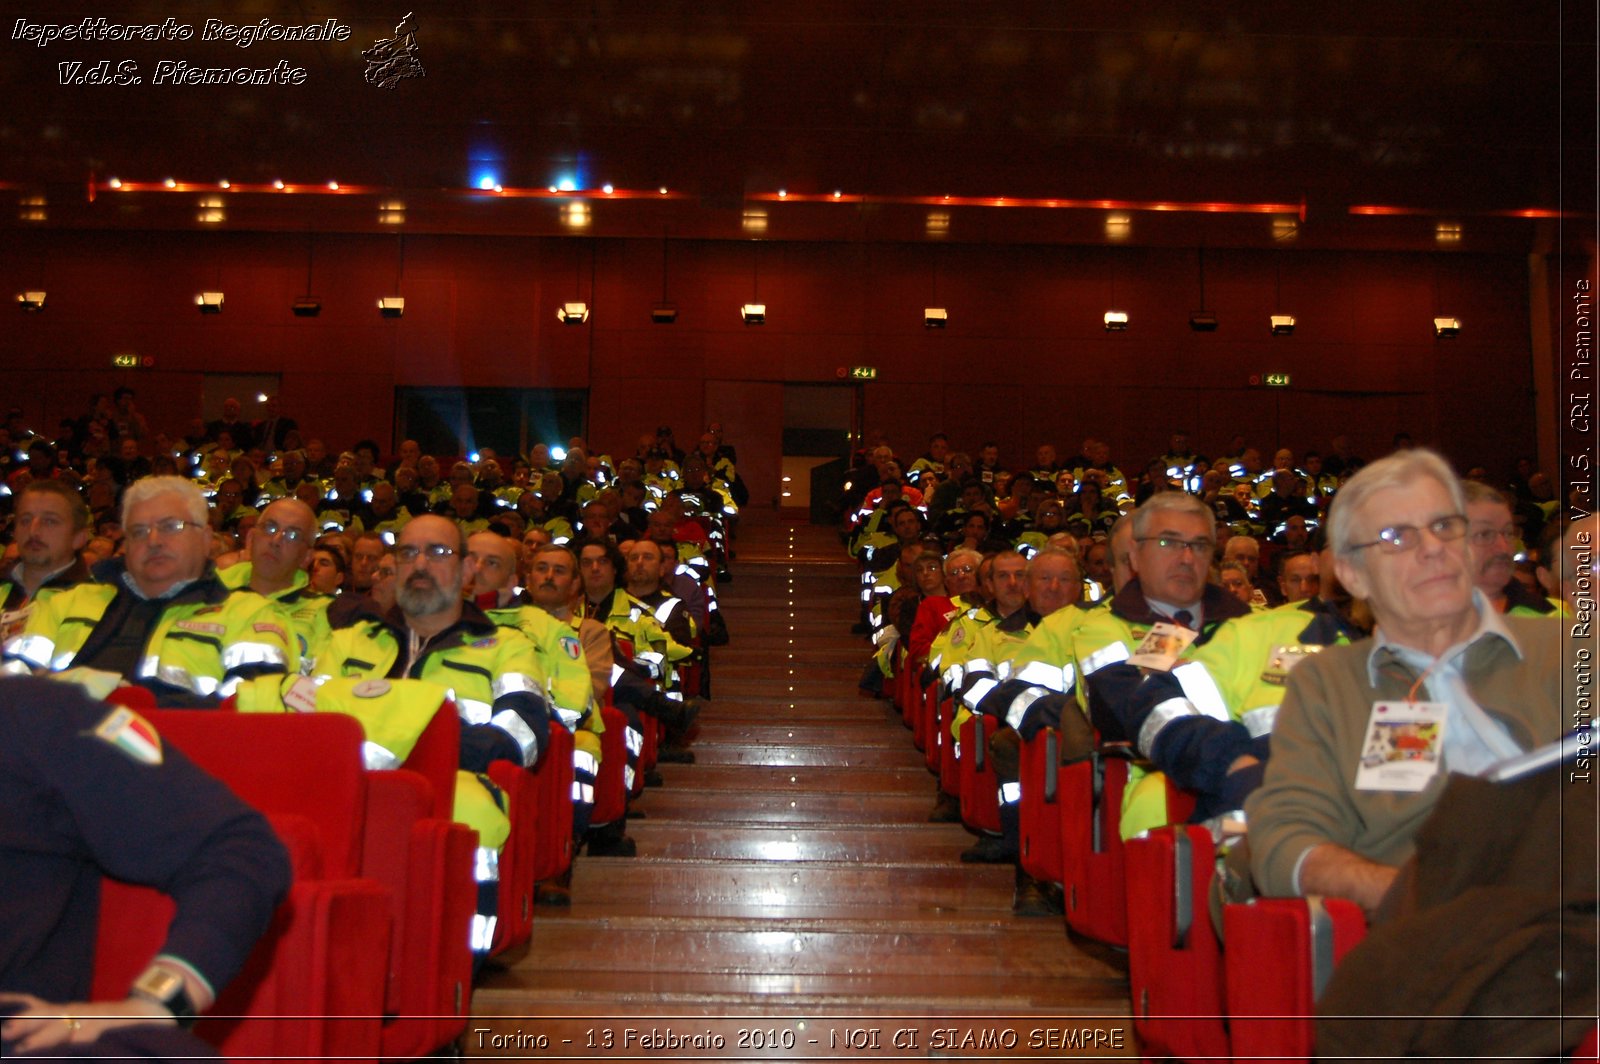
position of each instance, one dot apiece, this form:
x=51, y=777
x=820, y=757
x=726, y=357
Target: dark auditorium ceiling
x=1370, y=122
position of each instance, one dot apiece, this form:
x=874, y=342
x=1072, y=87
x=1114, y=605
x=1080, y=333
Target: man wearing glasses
x=159, y=618
x=1328, y=819
x=1491, y=544
x=279, y=547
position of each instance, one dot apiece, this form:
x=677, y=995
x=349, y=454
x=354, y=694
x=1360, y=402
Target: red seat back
x=1040, y=812
x=980, y=787
x=1091, y=847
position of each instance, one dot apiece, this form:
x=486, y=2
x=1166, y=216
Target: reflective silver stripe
x=1109, y=654
x=1019, y=706
x=584, y=761
x=583, y=792
x=569, y=718
x=515, y=683
x=1163, y=714
x=36, y=650
x=955, y=748
x=634, y=740
x=16, y=668
x=1002, y=669
x=175, y=676
x=238, y=655
x=1010, y=793
x=1044, y=674
x=229, y=686
x=1259, y=721
x=627, y=776
x=979, y=665
x=884, y=634
x=62, y=660
x=977, y=692
x=377, y=758
x=616, y=674
x=664, y=610
x=486, y=866
x=953, y=676
x=508, y=721
x=676, y=696
x=866, y=594
x=482, y=934
x=652, y=662
x=473, y=711
x=1202, y=690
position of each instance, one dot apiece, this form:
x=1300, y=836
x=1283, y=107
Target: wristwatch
x=166, y=988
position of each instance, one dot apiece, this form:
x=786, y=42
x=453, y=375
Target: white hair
x=146, y=488
x=1396, y=471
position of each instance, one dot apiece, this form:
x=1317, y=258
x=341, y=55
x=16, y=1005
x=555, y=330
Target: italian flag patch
x=132, y=735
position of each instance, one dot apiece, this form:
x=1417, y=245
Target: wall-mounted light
x=573, y=313
x=1443, y=328
x=754, y=313
x=209, y=302
x=664, y=314
x=1203, y=322
x=1282, y=324
x=306, y=307
x=1118, y=226
x=391, y=306
x=1116, y=320
x=935, y=317
x=32, y=302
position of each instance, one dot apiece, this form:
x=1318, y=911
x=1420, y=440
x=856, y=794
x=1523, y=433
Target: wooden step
x=682, y=801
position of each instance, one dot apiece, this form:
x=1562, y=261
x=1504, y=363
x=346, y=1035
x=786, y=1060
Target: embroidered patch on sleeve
x=130, y=734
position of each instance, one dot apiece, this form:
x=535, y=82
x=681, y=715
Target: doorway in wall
x=819, y=430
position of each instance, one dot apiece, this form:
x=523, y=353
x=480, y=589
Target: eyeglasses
x=1397, y=539
x=1483, y=537
x=272, y=528
x=962, y=570
x=434, y=552
x=1174, y=545
x=169, y=526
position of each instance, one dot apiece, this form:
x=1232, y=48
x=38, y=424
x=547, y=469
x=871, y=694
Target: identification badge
x=1403, y=746
x=1163, y=646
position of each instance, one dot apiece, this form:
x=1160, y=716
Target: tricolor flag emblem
x=131, y=734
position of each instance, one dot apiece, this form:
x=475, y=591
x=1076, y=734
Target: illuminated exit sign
x=1275, y=380
x=863, y=373
x=125, y=361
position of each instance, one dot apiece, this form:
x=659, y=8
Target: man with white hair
x=1463, y=686
x=159, y=617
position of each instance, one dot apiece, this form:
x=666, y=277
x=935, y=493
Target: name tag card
x=1162, y=647
x=1403, y=747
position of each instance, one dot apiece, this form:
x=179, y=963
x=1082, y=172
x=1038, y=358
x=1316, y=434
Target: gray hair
x=1049, y=551
x=1477, y=491
x=964, y=552
x=1395, y=471
x=1171, y=502
x=146, y=488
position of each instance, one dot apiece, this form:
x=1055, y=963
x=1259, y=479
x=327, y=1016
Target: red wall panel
x=1025, y=357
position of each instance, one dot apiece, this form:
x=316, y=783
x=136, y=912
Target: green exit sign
x=863, y=373
x=1275, y=380
x=125, y=361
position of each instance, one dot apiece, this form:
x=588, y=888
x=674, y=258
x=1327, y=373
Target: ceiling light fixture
x=1116, y=320
x=935, y=317
x=391, y=306
x=754, y=313
x=32, y=302
x=573, y=313
x=1282, y=324
x=1443, y=328
x=209, y=302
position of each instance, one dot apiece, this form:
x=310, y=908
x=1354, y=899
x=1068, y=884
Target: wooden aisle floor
x=790, y=873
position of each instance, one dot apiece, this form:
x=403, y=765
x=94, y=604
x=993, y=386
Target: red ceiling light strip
x=340, y=189
x=1298, y=209
x=1373, y=210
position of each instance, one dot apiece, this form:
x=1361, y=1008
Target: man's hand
x=39, y=1024
x=1333, y=870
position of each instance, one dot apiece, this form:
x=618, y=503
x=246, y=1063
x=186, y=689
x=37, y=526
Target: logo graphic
x=393, y=59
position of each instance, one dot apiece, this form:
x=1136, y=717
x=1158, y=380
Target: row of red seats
x=1150, y=895
x=368, y=958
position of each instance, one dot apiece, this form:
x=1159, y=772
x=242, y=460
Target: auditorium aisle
x=790, y=873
